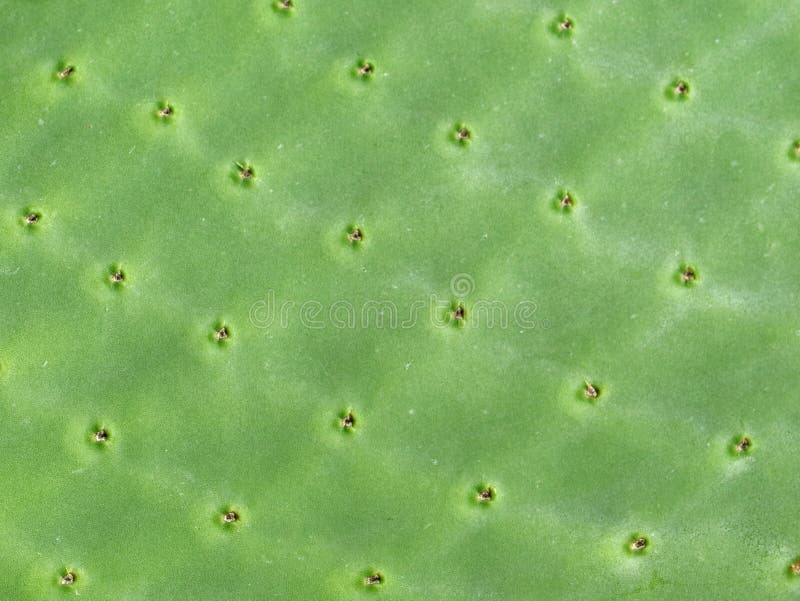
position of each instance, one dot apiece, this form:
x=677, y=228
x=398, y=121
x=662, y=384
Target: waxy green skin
x=200, y=425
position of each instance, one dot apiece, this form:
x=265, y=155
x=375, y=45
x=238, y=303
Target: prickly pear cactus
x=446, y=300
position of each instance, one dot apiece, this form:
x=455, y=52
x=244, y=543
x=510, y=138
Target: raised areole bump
x=638, y=544
x=116, y=277
x=68, y=578
x=165, y=111
x=245, y=171
x=563, y=25
x=486, y=494
x=66, y=72
x=743, y=445
x=230, y=517
x=565, y=201
x=462, y=134
x=591, y=391
x=458, y=314
x=365, y=69
x=688, y=275
x=355, y=235
x=348, y=421
x=679, y=89
x=244, y=174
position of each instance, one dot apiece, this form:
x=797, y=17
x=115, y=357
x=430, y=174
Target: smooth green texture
x=198, y=427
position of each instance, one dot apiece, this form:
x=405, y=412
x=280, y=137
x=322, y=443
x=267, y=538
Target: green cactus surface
x=388, y=299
